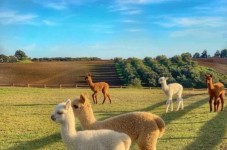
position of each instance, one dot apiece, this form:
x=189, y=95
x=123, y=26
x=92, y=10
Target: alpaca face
x=78, y=104
x=87, y=77
x=59, y=113
x=162, y=80
x=208, y=78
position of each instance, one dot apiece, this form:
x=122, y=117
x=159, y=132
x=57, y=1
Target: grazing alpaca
x=170, y=90
x=142, y=127
x=90, y=139
x=97, y=87
x=216, y=91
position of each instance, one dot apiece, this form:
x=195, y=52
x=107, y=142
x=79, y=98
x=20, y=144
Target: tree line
x=217, y=54
x=180, y=68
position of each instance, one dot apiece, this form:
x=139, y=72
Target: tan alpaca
x=216, y=91
x=143, y=128
x=97, y=87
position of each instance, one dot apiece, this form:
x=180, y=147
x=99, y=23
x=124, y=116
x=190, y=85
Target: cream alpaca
x=170, y=90
x=142, y=127
x=90, y=139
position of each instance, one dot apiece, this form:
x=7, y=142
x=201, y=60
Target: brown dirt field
x=58, y=72
x=218, y=64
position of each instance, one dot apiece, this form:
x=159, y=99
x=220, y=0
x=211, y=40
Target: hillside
x=218, y=64
x=58, y=72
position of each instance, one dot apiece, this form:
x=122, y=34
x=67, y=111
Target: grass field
x=25, y=122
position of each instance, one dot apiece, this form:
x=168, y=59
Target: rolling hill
x=218, y=64
x=58, y=72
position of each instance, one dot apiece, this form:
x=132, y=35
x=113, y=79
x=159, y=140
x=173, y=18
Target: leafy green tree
x=186, y=57
x=20, y=54
x=196, y=55
x=217, y=54
x=204, y=54
x=3, y=58
x=223, y=53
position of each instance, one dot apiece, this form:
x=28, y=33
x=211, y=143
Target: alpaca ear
x=89, y=74
x=82, y=98
x=68, y=104
x=166, y=78
x=211, y=75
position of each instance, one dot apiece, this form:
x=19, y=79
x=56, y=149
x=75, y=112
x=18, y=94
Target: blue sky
x=112, y=28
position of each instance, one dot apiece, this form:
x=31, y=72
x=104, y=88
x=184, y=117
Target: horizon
x=110, y=29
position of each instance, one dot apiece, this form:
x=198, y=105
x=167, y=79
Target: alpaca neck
x=210, y=85
x=90, y=82
x=68, y=130
x=87, y=117
x=165, y=87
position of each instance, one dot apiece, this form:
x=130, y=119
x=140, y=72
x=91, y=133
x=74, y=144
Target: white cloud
x=49, y=23
x=11, y=17
x=192, y=22
x=134, y=30
x=141, y=1
x=57, y=6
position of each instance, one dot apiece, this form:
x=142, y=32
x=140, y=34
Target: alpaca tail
x=161, y=125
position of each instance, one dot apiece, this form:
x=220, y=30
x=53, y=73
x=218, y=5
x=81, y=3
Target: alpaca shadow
x=171, y=116
x=211, y=133
x=37, y=143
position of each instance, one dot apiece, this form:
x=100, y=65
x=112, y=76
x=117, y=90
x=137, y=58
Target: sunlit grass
x=25, y=117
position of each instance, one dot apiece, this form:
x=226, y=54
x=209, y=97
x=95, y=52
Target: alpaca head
x=162, y=80
x=208, y=78
x=87, y=77
x=80, y=103
x=60, y=111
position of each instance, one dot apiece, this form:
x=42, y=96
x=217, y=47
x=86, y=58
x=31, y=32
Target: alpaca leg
x=167, y=105
x=215, y=104
x=210, y=102
x=218, y=102
x=222, y=102
x=171, y=105
x=108, y=95
x=104, y=98
x=93, y=98
x=178, y=103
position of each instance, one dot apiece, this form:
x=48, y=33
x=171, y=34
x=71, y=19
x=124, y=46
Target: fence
x=51, y=85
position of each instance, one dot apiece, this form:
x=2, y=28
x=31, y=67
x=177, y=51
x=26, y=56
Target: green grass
x=25, y=118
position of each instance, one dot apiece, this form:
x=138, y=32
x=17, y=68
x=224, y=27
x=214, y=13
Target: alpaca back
x=128, y=123
x=176, y=88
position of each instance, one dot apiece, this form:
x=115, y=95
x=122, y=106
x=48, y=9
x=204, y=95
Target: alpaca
x=170, y=90
x=90, y=139
x=97, y=87
x=216, y=91
x=142, y=127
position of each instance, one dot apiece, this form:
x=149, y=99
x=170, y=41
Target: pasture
x=25, y=117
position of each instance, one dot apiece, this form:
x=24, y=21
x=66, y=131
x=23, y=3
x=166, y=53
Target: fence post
x=60, y=86
x=76, y=86
x=44, y=85
x=12, y=84
x=28, y=85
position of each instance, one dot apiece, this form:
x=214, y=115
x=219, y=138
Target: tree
x=186, y=57
x=204, y=54
x=217, y=54
x=223, y=53
x=196, y=55
x=20, y=54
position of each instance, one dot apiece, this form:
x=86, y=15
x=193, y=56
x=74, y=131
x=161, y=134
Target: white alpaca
x=144, y=128
x=90, y=139
x=170, y=90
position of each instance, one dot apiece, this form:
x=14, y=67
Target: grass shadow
x=37, y=143
x=211, y=133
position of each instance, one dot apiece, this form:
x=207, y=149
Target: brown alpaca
x=216, y=91
x=97, y=87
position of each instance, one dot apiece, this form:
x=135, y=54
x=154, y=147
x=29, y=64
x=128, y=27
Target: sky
x=112, y=28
